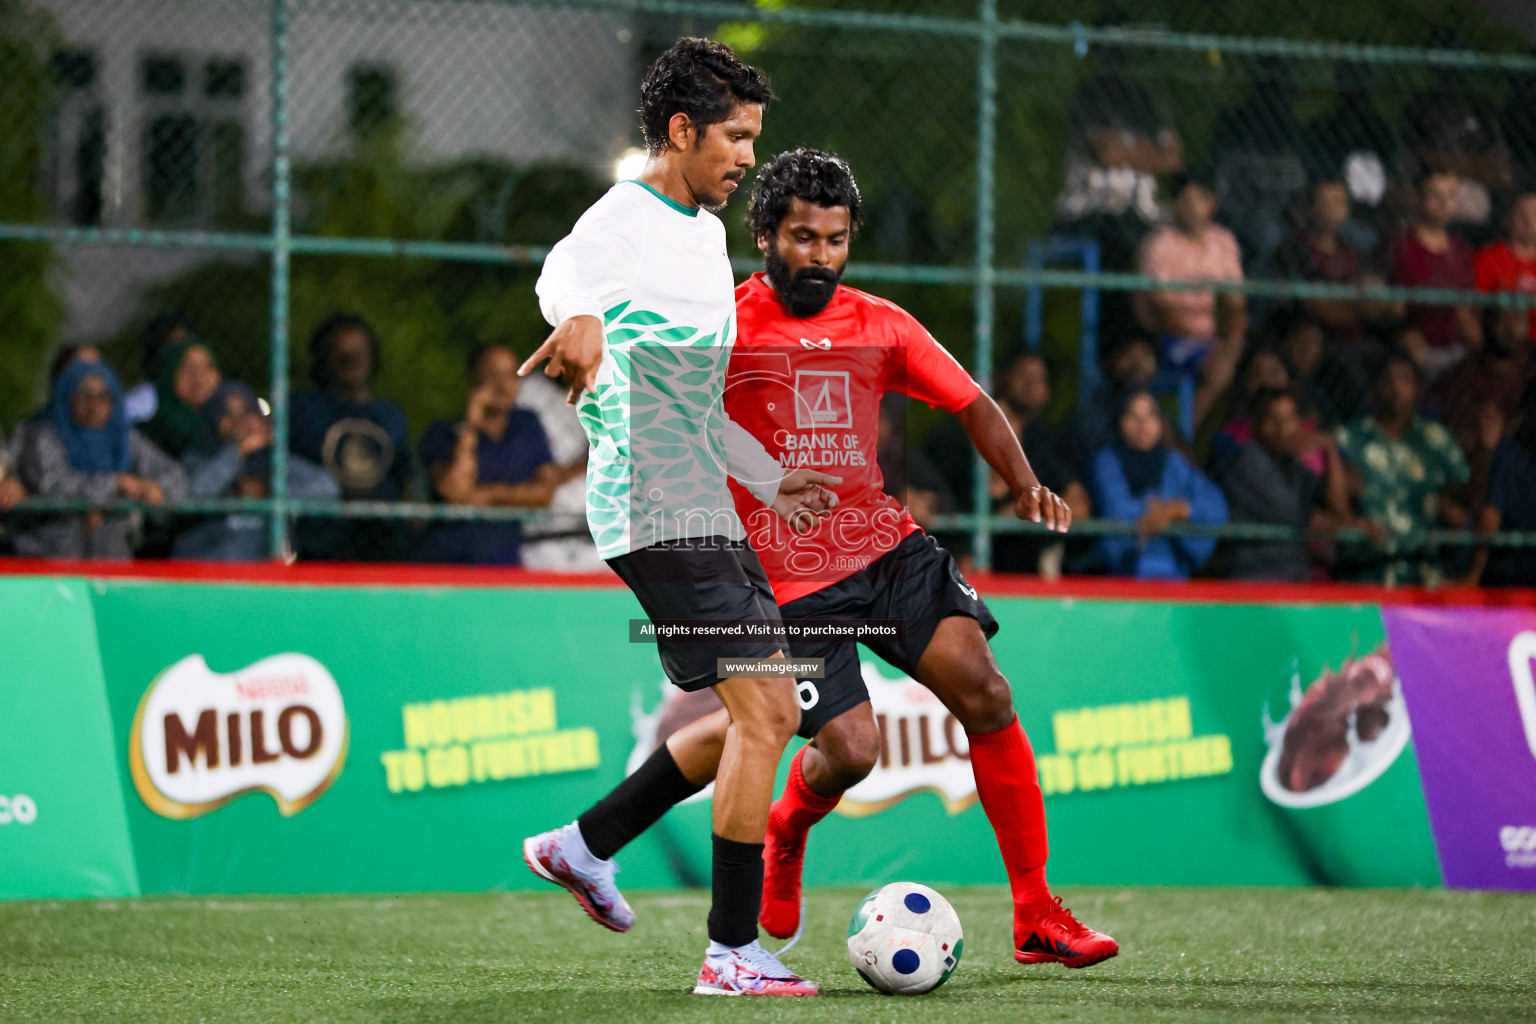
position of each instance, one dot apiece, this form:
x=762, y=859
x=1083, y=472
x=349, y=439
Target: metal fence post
x=986, y=152
x=281, y=248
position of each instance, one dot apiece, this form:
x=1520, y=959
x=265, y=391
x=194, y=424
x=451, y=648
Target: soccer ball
x=905, y=939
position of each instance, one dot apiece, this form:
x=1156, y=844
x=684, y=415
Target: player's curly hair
x=809, y=174
x=700, y=78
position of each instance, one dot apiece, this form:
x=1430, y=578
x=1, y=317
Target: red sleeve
x=930, y=373
x=1486, y=271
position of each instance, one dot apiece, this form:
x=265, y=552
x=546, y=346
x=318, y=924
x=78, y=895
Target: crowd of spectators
x=1344, y=430
x=1334, y=434
x=189, y=432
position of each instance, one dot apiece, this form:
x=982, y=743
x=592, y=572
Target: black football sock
x=635, y=804
x=738, y=892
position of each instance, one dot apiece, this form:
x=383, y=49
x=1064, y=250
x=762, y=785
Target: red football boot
x=782, y=865
x=1049, y=934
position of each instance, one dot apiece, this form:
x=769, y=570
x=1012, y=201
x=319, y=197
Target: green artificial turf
x=1188, y=955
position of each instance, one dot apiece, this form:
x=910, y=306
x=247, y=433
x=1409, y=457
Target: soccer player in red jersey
x=813, y=359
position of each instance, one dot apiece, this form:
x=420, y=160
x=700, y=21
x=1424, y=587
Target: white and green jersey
x=658, y=276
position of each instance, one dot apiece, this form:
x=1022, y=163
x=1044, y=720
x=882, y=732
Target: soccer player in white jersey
x=641, y=297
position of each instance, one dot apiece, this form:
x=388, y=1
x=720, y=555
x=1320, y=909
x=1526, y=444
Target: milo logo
x=922, y=749
x=202, y=738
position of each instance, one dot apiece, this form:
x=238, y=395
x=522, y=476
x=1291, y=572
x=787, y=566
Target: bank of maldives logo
x=202, y=738
x=822, y=400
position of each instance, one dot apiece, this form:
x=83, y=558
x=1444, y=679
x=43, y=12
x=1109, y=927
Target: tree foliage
x=31, y=312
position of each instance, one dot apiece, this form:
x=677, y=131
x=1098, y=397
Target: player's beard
x=804, y=293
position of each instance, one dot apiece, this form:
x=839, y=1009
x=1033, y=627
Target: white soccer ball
x=905, y=939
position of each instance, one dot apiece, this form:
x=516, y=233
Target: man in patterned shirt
x=640, y=295
x=1399, y=463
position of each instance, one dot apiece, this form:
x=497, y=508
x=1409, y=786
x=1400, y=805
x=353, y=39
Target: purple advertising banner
x=1467, y=675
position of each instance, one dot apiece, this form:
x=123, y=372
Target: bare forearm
x=1333, y=312
x=1233, y=310
x=531, y=494
x=994, y=438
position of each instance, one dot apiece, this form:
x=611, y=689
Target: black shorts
x=702, y=578
x=916, y=582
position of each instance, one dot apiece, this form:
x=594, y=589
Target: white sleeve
x=750, y=464
x=595, y=263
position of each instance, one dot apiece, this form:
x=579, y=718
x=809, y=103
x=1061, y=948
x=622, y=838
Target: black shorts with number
x=918, y=583
x=710, y=579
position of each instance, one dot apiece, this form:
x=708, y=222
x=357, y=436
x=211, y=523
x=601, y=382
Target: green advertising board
x=1148, y=723
x=278, y=738
x=63, y=832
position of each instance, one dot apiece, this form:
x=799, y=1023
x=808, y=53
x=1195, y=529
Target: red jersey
x=1498, y=269
x=1414, y=266
x=810, y=391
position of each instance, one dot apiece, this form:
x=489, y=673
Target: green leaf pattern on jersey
x=657, y=459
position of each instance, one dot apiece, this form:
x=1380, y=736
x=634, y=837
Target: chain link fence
x=185, y=183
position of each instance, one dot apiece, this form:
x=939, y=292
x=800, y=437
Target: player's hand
x=575, y=351
x=1039, y=504
x=805, y=496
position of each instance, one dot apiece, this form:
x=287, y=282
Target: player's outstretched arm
x=994, y=438
x=575, y=351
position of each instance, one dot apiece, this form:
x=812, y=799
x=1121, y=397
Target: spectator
x=564, y=543
x=1131, y=364
x=1140, y=480
x=1268, y=483
x=358, y=437
x=1497, y=375
x=1266, y=371
x=1024, y=394
x=1399, y=463
x=1202, y=334
x=233, y=459
x=1121, y=141
x=1430, y=255
x=1258, y=169
x=1319, y=253
x=1511, y=506
x=85, y=450
x=496, y=456
x=1510, y=265
x=1447, y=132
x=62, y=358
x=185, y=376
x=168, y=327
x=1326, y=388
x=1356, y=145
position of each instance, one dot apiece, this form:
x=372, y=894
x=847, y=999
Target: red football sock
x=1004, y=765
x=799, y=808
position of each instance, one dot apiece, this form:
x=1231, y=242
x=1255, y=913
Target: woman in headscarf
x=83, y=449
x=232, y=458
x=1138, y=479
x=185, y=376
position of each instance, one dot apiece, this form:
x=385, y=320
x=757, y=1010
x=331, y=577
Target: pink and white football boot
x=562, y=857
x=748, y=971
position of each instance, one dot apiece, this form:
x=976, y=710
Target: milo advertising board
x=210, y=738
x=1155, y=735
